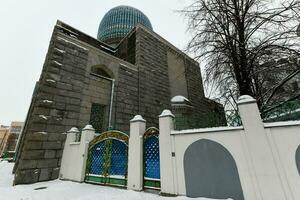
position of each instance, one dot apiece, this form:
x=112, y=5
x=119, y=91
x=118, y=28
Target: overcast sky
x=26, y=28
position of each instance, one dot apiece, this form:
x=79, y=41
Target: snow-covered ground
x=67, y=190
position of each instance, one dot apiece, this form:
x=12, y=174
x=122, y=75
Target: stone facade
x=81, y=72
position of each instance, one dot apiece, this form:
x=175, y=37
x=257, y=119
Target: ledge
x=281, y=124
x=74, y=143
x=206, y=130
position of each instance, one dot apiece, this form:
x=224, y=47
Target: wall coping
x=206, y=130
x=88, y=127
x=166, y=113
x=245, y=99
x=74, y=143
x=137, y=118
x=281, y=124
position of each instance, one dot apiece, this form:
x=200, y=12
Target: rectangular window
x=97, y=117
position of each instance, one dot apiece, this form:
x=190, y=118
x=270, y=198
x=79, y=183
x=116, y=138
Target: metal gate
x=151, y=159
x=107, y=159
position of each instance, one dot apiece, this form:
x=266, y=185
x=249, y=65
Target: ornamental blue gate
x=151, y=159
x=107, y=159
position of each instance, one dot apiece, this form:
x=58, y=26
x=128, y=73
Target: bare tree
x=243, y=43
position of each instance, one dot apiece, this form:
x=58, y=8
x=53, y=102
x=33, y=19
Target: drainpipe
x=111, y=103
x=111, y=96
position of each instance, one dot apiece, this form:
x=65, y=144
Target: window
x=97, y=117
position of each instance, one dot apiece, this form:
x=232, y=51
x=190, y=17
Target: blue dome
x=119, y=21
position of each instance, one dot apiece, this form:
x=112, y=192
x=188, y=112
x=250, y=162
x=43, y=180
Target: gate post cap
x=73, y=130
x=88, y=127
x=138, y=118
x=245, y=99
x=166, y=113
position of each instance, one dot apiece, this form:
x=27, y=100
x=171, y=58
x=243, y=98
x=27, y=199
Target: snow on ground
x=67, y=190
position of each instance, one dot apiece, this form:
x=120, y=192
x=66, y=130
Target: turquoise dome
x=119, y=21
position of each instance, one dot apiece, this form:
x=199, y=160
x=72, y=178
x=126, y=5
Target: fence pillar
x=67, y=153
x=166, y=154
x=71, y=135
x=135, y=153
x=267, y=181
x=87, y=135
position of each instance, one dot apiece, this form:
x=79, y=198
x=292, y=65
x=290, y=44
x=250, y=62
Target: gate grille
x=107, y=159
x=151, y=159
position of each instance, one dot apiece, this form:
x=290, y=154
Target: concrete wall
x=254, y=162
x=265, y=156
x=73, y=164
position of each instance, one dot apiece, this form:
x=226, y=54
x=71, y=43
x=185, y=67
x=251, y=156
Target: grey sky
x=26, y=28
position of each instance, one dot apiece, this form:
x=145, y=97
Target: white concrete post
x=263, y=165
x=167, y=171
x=75, y=154
x=87, y=135
x=135, y=153
x=71, y=137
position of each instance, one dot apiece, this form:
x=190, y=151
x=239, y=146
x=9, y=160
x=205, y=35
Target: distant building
x=4, y=133
x=9, y=136
x=14, y=133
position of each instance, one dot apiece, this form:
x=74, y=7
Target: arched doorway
x=210, y=171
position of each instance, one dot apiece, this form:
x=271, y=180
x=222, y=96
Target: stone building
x=128, y=70
x=15, y=130
x=9, y=137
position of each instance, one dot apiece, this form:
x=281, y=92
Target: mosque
x=128, y=70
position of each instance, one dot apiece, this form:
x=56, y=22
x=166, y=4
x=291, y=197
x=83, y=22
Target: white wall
x=232, y=140
x=75, y=154
x=284, y=140
x=264, y=154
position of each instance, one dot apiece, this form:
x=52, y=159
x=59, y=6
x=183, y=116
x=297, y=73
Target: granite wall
x=68, y=87
x=63, y=99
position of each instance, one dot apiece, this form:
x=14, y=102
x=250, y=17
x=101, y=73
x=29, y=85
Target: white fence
x=256, y=161
x=75, y=154
x=264, y=155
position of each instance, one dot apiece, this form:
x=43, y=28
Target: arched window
x=102, y=70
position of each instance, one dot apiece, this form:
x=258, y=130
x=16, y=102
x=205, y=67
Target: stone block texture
x=80, y=71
